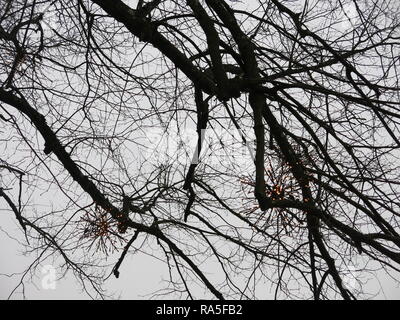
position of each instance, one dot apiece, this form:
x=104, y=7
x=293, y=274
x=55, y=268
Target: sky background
x=140, y=275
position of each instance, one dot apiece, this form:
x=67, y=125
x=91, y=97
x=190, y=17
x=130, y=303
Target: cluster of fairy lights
x=280, y=185
x=101, y=231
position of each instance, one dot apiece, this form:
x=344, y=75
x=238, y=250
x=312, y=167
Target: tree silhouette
x=260, y=138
